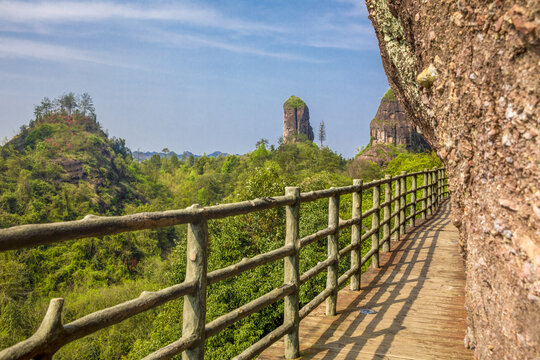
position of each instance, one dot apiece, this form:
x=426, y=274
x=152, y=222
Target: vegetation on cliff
x=375, y=160
x=295, y=102
x=389, y=95
x=63, y=166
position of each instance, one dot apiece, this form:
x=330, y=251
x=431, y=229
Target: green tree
x=231, y=161
x=43, y=109
x=322, y=133
x=68, y=102
x=174, y=162
x=260, y=155
x=86, y=104
x=262, y=141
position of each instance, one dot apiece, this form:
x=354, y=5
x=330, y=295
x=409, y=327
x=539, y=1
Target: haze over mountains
x=143, y=155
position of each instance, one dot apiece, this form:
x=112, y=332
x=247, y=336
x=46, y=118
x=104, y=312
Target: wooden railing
x=52, y=334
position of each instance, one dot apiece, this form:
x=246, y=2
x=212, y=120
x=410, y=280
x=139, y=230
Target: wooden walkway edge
x=418, y=294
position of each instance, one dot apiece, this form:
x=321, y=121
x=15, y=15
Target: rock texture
x=477, y=104
x=391, y=125
x=296, y=119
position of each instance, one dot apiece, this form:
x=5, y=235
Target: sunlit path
x=418, y=294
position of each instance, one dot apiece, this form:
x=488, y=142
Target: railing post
x=356, y=236
x=292, y=274
x=194, y=318
x=397, y=193
x=375, y=221
x=435, y=189
x=387, y=212
x=413, y=202
x=333, y=253
x=429, y=189
x=441, y=181
x=444, y=182
x=402, y=201
x=424, y=194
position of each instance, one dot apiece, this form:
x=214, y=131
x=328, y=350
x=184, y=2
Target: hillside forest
x=63, y=166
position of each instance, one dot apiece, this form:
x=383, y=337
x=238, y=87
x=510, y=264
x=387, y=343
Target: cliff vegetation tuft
x=295, y=102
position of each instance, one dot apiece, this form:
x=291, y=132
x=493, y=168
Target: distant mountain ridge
x=141, y=156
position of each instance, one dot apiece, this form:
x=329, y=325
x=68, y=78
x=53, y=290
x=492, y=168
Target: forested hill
x=63, y=166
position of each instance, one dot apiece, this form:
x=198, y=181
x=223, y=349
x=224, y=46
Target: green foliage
x=322, y=133
x=412, y=162
x=389, y=95
x=230, y=163
x=364, y=169
x=302, y=159
x=39, y=134
x=63, y=167
x=259, y=156
x=294, y=102
x=362, y=149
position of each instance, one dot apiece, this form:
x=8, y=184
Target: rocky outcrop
x=391, y=125
x=380, y=154
x=296, y=119
x=467, y=74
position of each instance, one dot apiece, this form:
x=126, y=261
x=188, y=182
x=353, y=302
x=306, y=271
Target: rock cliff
x=391, y=125
x=467, y=74
x=296, y=119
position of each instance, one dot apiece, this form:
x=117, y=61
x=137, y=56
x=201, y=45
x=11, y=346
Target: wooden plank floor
x=418, y=294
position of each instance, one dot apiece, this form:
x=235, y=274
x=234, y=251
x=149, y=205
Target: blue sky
x=195, y=75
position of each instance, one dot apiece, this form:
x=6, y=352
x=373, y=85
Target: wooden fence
x=52, y=334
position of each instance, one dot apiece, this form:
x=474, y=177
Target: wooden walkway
x=418, y=294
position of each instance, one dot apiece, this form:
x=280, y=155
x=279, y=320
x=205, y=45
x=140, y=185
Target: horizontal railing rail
x=52, y=334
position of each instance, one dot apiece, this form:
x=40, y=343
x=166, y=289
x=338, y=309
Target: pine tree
x=322, y=133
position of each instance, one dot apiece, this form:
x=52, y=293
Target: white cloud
x=18, y=48
x=61, y=12
x=202, y=26
x=328, y=33
x=184, y=40
x=357, y=7
x=335, y=30
x=344, y=44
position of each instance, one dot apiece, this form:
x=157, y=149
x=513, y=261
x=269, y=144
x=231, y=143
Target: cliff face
x=391, y=125
x=296, y=119
x=467, y=74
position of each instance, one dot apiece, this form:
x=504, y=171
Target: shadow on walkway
x=418, y=294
